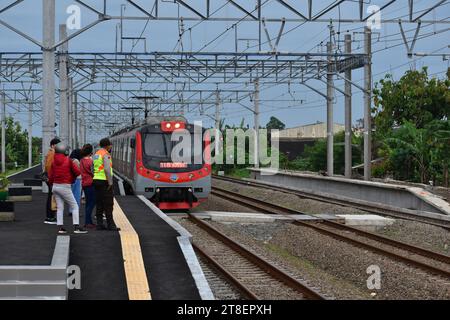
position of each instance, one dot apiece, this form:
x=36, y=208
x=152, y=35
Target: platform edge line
x=135, y=273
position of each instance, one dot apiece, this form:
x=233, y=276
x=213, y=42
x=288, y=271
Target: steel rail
x=263, y=264
x=275, y=209
x=366, y=207
x=238, y=284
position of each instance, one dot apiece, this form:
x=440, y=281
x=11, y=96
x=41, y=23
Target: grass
x=240, y=173
x=304, y=264
x=285, y=254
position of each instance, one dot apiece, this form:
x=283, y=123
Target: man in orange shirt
x=51, y=214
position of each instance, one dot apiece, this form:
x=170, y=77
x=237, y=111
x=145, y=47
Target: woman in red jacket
x=62, y=174
x=87, y=174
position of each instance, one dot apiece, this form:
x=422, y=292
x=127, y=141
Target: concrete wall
x=316, y=130
x=375, y=192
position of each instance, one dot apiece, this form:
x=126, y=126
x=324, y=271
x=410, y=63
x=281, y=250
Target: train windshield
x=158, y=145
x=158, y=149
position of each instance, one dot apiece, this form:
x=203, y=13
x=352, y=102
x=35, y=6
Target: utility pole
x=348, y=112
x=217, y=125
x=75, y=119
x=30, y=134
x=48, y=74
x=256, y=113
x=3, y=107
x=70, y=112
x=330, y=133
x=82, y=126
x=367, y=105
x=217, y=115
x=63, y=87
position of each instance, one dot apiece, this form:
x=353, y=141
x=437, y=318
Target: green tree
x=439, y=133
x=417, y=154
x=415, y=98
x=314, y=157
x=275, y=123
x=412, y=131
x=408, y=153
x=17, y=145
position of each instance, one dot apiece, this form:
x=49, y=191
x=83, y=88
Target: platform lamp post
x=146, y=100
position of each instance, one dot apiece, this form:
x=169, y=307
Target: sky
x=390, y=54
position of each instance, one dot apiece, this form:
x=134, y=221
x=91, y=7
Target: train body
x=142, y=156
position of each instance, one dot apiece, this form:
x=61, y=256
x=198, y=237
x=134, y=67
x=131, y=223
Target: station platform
x=390, y=196
x=28, y=174
x=145, y=260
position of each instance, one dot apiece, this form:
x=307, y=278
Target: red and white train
x=142, y=157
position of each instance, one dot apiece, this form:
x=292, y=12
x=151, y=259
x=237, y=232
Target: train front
x=171, y=169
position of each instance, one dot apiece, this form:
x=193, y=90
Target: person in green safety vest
x=103, y=184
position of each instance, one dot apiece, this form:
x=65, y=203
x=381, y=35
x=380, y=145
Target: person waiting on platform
x=51, y=213
x=75, y=155
x=103, y=183
x=87, y=175
x=62, y=174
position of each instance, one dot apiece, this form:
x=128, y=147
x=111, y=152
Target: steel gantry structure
x=95, y=84
x=184, y=81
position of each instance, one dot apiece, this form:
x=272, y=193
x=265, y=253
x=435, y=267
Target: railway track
x=219, y=284
x=255, y=277
x=348, y=203
x=430, y=261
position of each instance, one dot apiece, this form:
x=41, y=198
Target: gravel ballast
x=416, y=233
x=220, y=288
x=339, y=260
x=337, y=268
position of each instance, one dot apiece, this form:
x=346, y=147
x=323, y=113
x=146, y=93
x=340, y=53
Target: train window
x=157, y=145
x=128, y=150
x=123, y=150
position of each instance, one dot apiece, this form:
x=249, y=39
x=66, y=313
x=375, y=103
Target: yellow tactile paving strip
x=137, y=283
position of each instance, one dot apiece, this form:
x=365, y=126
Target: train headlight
x=177, y=125
x=168, y=125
